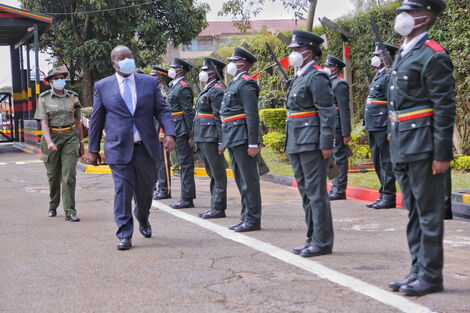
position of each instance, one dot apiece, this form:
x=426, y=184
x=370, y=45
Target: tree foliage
x=83, y=41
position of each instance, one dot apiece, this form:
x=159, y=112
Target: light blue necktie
x=127, y=96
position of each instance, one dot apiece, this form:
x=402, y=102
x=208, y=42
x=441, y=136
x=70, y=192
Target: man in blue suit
x=125, y=105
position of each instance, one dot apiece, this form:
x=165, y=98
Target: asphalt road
x=49, y=265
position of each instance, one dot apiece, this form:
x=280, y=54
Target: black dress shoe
x=51, y=213
x=299, y=249
x=369, y=205
x=72, y=218
x=311, y=251
x=213, y=214
x=337, y=196
x=232, y=227
x=200, y=214
x=182, y=204
x=420, y=287
x=146, y=231
x=246, y=227
x=395, y=285
x=161, y=196
x=384, y=204
x=124, y=244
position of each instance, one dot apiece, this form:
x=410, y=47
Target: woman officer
x=58, y=109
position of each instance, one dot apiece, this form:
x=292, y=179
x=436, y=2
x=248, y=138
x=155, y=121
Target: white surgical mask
x=127, y=66
x=172, y=73
x=232, y=69
x=405, y=23
x=327, y=71
x=375, y=61
x=203, y=76
x=296, y=59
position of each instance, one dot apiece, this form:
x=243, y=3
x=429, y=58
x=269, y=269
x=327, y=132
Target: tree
x=85, y=31
x=243, y=10
x=363, y=5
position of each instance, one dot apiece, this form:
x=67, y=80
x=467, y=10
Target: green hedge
x=461, y=162
x=269, y=99
x=273, y=119
x=275, y=141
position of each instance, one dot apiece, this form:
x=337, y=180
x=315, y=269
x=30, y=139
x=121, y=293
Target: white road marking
x=386, y=297
x=2, y=163
x=21, y=162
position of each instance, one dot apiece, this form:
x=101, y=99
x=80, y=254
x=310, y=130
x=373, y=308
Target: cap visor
x=234, y=58
x=295, y=45
x=407, y=7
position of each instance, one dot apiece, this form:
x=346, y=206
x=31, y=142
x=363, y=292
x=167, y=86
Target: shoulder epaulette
x=317, y=67
x=247, y=77
x=217, y=85
x=340, y=77
x=45, y=93
x=183, y=83
x=434, y=45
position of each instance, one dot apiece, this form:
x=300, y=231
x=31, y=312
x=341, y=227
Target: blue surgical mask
x=59, y=84
x=127, y=66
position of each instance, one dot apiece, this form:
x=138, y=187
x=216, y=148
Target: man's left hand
x=346, y=139
x=169, y=143
x=439, y=167
x=253, y=152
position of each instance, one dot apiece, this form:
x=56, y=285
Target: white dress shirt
x=174, y=82
x=409, y=45
x=302, y=70
x=131, y=83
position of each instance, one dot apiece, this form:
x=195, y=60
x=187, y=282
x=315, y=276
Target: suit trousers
x=215, y=168
x=162, y=181
x=245, y=169
x=186, y=160
x=380, y=149
x=424, y=196
x=310, y=169
x=133, y=180
x=340, y=155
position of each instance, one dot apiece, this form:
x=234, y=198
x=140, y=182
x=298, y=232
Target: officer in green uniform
x=163, y=186
x=422, y=114
x=341, y=150
x=375, y=121
x=310, y=133
x=241, y=135
x=180, y=100
x=207, y=134
x=58, y=109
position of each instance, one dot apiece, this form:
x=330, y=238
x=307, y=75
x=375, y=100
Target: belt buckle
x=394, y=116
x=59, y=129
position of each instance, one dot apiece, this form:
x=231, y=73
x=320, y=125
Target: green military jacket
x=207, y=126
x=58, y=110
x=239, y=112
x=376, y=108
x=312, y=117
x=340, y=90
x=180, y=101
x=421, y=104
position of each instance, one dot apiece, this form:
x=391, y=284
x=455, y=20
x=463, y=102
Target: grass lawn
x=460, y=180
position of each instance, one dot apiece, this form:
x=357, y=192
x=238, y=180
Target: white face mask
x=203, y=76
x=172, y=73
x=327, y=70
x=375, y=61
x=405, y=23
x=296, y=59
x=232, y=69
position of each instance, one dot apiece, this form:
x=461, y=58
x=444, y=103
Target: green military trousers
x=186, y=160
x=215, y=168
x=245, y=169
x=340, y=155
x=310, y=169
x=61, y=169
x=424, y=197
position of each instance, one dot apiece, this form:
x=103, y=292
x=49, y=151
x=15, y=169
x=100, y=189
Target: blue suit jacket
x=110, y=113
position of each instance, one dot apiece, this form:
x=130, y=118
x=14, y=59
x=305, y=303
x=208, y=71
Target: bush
x=86, y=112
x=275, y=141
x=273, y=120
x=270, y=99
x=461, y=162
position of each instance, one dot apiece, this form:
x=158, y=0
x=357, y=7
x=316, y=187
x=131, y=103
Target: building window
x=199, y=45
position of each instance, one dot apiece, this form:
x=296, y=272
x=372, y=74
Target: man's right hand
x=169, y=143
x=95, y=158
x=51, y=147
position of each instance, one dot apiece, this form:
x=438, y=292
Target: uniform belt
x=177, y=113
x=205, y=115
x=302, y=114
x=63, y=129
x=377, y=102
x=411, y=114
x=226, y=119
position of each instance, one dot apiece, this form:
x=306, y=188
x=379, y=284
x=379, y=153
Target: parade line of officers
x=409, y=117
